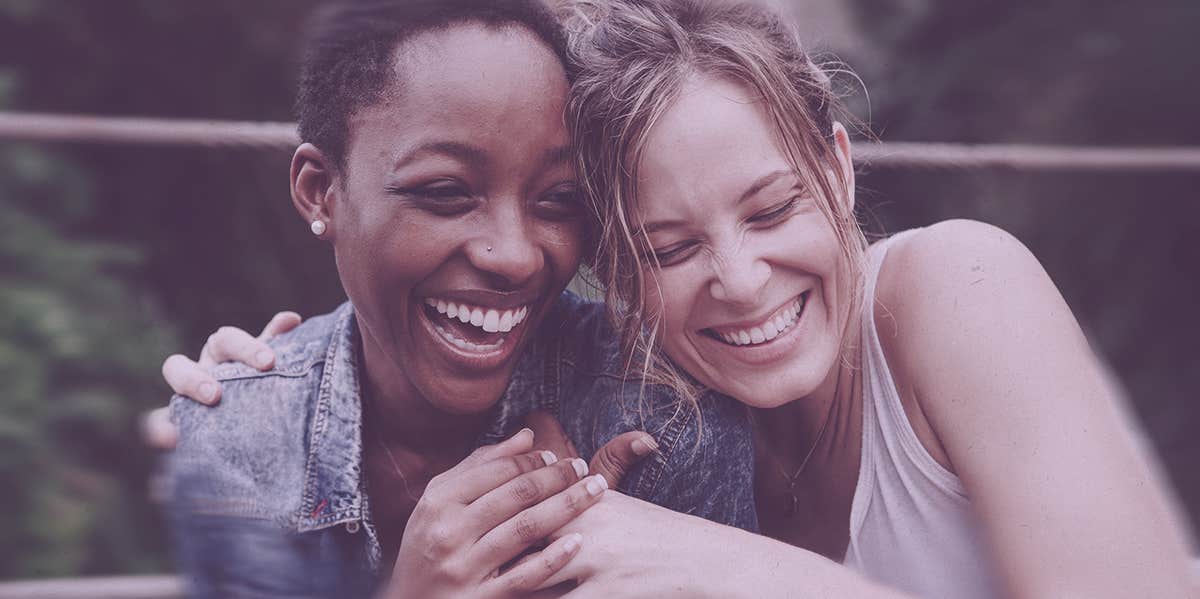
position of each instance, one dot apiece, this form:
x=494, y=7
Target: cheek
x=562, y=243
x=670, y=296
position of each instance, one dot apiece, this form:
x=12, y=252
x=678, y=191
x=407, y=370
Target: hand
x=638, y=549
x=481, y=514
x=227, y=344
x=192, y=379
x=612, y=461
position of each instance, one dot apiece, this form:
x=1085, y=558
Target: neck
x=794, y=427
x=402, y=415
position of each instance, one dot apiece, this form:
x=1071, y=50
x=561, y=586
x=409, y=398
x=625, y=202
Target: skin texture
x=738, y=239
x=480, y=161
x=994, y=374
x=456, y=186
x=997, y=381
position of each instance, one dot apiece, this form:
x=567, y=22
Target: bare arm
x=1029, y=422
x=638, y=549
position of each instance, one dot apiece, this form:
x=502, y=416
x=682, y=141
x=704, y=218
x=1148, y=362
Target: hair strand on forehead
x=631, y=58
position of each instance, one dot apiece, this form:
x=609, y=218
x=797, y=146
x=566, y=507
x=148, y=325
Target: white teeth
x=771, y=329
x=491, y=321
x=467, y=345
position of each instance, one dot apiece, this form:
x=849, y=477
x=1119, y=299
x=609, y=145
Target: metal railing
x=109, y=587
x=43, y=127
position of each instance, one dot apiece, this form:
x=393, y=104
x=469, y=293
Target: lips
x=475, y=336
x=778, y=323
x=490, y=320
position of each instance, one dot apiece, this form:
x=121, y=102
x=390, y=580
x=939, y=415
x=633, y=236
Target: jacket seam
x=274, y=373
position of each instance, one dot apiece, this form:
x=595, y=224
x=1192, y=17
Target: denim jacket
x=267, y=495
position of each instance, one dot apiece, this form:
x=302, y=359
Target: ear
x=841, y=147
x=314, y=186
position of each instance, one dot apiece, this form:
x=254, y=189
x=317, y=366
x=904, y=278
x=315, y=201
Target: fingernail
x=263, y=358
x=643, y=446
x=522, y=432
x=596, y=485
x=572, y=542
x=208, y=392
x=581, y=467
x=549, y=457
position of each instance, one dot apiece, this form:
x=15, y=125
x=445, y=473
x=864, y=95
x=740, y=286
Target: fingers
x=526, y=490
x=521, y=442
x=506, y=541
x=617, y=456
x=474, y=482
x=231, y=344
x=189, y=379
x=534, y=570
x=157, y=429
x=281, y=323
x=548, y=434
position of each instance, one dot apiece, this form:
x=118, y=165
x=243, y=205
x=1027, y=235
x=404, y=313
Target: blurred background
x=113, y=256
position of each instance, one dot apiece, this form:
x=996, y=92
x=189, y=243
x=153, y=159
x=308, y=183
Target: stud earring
x=318, y=227
x=489, y=248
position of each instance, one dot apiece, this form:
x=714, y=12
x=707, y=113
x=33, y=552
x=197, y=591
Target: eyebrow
x=760, y=184
x=464, y=152
x=472, y=155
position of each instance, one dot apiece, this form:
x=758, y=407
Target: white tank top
x=911, y=525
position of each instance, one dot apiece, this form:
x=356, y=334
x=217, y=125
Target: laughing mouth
x=477, y=329
x=782, y=321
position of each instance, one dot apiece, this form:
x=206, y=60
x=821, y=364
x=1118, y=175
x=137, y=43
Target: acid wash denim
x=267, y=497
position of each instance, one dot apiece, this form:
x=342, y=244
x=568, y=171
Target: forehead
x=470, y=82
x=708, y=147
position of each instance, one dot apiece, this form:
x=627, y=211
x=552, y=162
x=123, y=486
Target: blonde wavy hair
x=629, y=61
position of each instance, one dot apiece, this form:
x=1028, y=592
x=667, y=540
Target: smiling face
x=750, y=282
x=455, y=223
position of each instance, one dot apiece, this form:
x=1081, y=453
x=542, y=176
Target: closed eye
x=675, y=253
x=774, y=215
x=443, y=198
x=562, y=202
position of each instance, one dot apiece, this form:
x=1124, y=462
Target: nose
x=506, y=251
x=739, y=277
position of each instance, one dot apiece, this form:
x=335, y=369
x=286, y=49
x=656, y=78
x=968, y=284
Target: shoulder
x=244, y=452
x=950, y=257
x=969, y=315
x=957, y=280
x=296, y=350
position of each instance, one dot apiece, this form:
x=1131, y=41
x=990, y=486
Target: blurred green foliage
x=112, y=257
x=79, y=343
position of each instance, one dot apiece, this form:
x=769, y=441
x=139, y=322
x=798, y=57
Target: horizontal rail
x=41, y=127
x=109, y=587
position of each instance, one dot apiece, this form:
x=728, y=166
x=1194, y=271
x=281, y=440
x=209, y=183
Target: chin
x=752, y=393
x=465, y=399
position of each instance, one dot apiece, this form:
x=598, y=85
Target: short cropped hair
x=348, y=58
